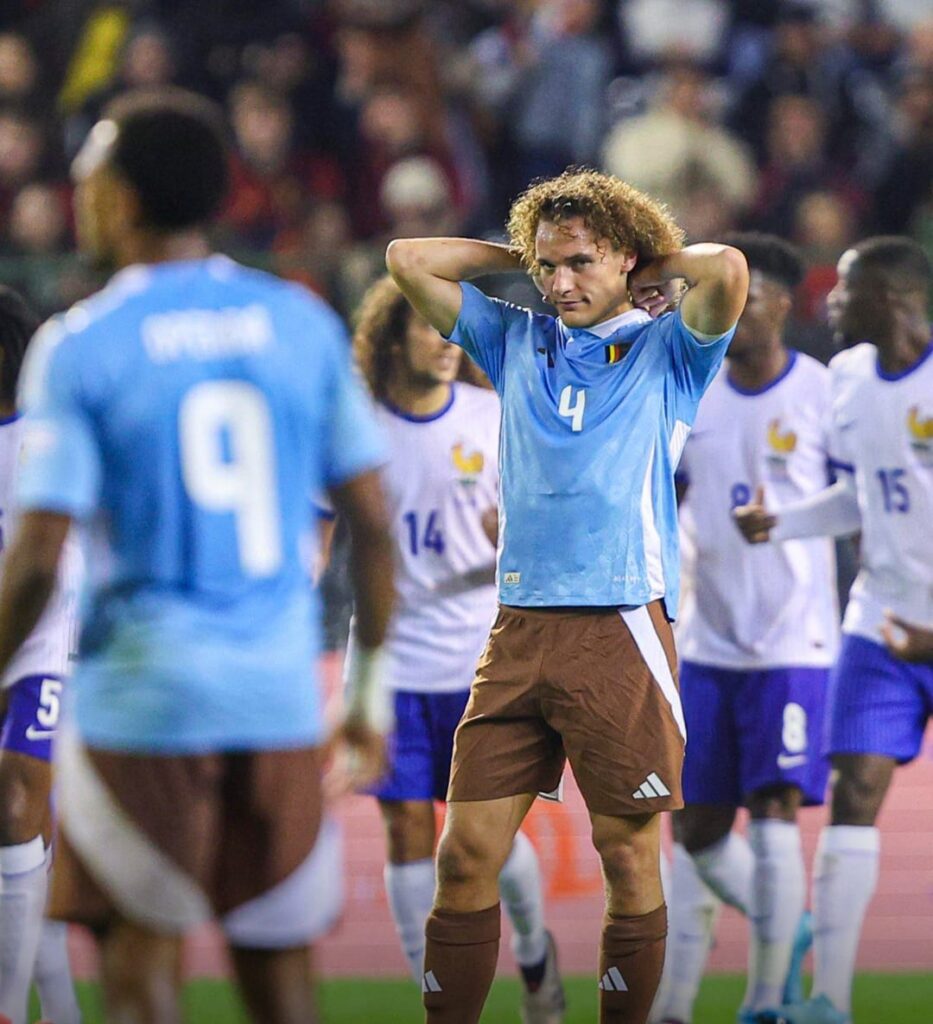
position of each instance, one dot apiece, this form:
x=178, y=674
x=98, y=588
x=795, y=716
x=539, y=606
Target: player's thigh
x=860, y=783
x=711, y=760
x=411, y=829
x=612, y=697
x=779, y=718
x=26, y=735
x=138, y=837
x=140, y=972
x=503, y=747
x=878, y=705
x=265, y=882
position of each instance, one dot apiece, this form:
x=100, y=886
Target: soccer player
x=32, y=948
x=596, y=406
x=758, y=640
x=882, y=443
x=441, y=483
x=186, y=413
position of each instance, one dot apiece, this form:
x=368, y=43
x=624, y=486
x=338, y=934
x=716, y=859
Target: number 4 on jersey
x=433, y=538
x=573, y=412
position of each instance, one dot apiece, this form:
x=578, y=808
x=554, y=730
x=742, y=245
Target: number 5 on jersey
x=575, y=411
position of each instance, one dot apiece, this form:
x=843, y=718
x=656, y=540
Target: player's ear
x=628, y=262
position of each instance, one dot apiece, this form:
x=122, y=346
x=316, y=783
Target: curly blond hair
x=612, y=209
x=381, y=322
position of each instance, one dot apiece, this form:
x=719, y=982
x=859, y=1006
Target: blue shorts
x=751, y=729
x=422, y=746
x=878, y=704
x=32, y=716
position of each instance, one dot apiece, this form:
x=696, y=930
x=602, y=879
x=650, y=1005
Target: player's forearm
x=450, y=259
x=429, y=272
x=372, y=568
x=832, y=512
x=717, y=284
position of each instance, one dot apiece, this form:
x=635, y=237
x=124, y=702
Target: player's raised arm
x=429, y=272
x=717, y=286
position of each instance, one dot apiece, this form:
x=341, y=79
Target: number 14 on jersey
x=424, y=533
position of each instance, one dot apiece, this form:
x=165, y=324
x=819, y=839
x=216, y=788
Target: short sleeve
x=696, y=359
x=481, y=330
x=351, y=445
x=61, y=462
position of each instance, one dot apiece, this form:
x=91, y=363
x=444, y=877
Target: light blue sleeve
x=695, y=360
x=352, y=444
x=481, y=330
x=61, y=467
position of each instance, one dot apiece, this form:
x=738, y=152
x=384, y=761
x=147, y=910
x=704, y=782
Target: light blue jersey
x=188, y=412
x=593, y=425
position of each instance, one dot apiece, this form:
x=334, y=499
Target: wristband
x=366, y=695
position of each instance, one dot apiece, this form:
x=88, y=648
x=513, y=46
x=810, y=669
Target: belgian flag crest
x=616, y=353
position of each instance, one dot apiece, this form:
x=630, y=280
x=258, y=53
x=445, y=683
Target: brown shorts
x=171, y=841
x=597, y=686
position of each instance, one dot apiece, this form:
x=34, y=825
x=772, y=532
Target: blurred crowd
x=354, y=121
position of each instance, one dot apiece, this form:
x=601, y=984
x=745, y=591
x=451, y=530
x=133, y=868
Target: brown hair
x=381, y=322
x=630, y=219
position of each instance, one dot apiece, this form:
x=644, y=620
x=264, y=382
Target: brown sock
x=631, y=956
x=460, y=957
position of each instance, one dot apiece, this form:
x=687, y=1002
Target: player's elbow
x=733, y=274
x=402, y=257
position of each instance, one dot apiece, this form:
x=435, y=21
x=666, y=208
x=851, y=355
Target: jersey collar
x=629, y=318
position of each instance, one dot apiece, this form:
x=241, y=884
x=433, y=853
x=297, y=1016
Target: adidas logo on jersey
x=650, y=788
x=430, y=984
x=612, y=981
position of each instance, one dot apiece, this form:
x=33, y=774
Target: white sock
x=53, y=975
x=727, y=868
x=692, y=912
x=844, y=877
x=23, y=891
x=779, y=894
x=410, y=889
x=520, y=889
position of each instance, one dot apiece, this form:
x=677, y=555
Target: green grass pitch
x=879, y=999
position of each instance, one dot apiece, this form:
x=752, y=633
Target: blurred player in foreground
x=758, y=641
x=596, y=406
x=882, y=443
x=31, y=948
x=441, y=485
x=186, y=412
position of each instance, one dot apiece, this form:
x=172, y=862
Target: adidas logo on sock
x=612, y=981
x=651, y=787
x=430, y=984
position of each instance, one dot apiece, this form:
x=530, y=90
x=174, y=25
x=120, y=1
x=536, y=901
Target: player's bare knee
x=777, y=803
x=410, y=830
x=464, y=857
x=629, y=857
x=856, y=796
x=700, y=826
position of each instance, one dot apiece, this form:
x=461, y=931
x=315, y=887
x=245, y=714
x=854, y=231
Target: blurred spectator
x=677, y=153
x=273, y=179
x=823, y=228
x=656, y=31
x=905, y=185
x=796, y=164
x=416, y=199
x=39, y=224
x=804, y=61
x=22, y=153
x=19, y=72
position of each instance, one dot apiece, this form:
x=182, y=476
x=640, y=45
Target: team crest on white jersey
x=469, y=465
x=781, y=445
x=921, y=435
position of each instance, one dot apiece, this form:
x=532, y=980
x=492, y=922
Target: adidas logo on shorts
x=651, y=787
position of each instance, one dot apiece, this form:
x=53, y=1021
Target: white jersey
x=442, y=475
x=765, y=606
x=883, y=433
x=49, y=648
